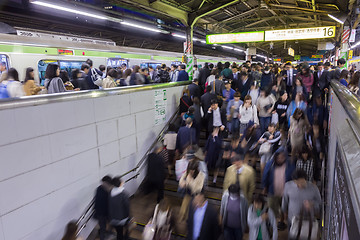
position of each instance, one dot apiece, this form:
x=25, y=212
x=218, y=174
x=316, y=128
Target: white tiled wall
x=53, y=155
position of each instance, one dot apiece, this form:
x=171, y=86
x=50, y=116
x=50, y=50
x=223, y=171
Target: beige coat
x=30, y=88
x=108, y=82
x=246, y=180
x=195, y=185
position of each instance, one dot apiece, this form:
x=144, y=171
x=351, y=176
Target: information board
x=291, y=51
x=160, y=106
x=342, y=224
x=235, y=37
x=300, y=33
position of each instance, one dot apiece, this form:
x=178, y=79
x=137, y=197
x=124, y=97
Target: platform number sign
x=300, y=33
x=160, y=100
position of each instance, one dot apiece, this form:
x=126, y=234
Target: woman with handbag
x=192, y=182
x=268, y=141
x=261, y=221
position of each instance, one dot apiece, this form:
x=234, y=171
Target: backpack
x=3, y=90
x=164, y=76
x=132, y=79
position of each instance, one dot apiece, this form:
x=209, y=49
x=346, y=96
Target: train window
x=116, y=62
x=5, y=59
x=42, y=65
x=64, y=65
x=147, y=65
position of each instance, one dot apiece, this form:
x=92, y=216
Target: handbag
x=275, y=118
x=180, y=167
x=97, y=79
x=150, y=228
x=264, y=148
x=304, y=228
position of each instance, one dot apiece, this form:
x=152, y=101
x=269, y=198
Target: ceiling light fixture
x=231, y=48
x=355, y=45
x=141, y=27
x=239, y=50
x=261, y=56
x=66, y=9
x=339, y=18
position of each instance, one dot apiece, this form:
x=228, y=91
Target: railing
x=36, y=100
x=89, y=211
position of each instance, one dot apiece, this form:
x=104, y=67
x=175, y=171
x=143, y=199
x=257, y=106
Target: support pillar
x=189, y=53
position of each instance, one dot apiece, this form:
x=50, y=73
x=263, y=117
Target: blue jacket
x=268, y=175
x=183, y=76
x=319, y=113
x=231, y=97
x=185, y=137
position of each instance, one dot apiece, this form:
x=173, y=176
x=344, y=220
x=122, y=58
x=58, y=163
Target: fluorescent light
x=228, y=47
x=260, y=56
x=178, y=36
x=141, y=27
x=215, y=44
x=66, y=9
x=336, y=19
x=355, y=45
x=238, y=50
x=203, y=41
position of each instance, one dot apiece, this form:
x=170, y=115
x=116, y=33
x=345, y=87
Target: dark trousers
x=233, y=233
x=120, y=233
x=149, y=187
x=264, y=123
x=102, y=224
x=289, y=91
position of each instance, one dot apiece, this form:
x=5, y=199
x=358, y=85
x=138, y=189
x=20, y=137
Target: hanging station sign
x=235, y=37
x=291, y=51
x=300, y=33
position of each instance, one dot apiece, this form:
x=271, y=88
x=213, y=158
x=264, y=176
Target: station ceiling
x=177, y=15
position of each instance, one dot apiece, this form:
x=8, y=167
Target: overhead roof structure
x=175, y=16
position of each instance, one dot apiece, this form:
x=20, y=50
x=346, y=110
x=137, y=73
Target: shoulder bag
x=304, y=228
x=150, y=228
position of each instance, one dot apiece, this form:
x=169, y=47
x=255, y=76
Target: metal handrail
x=349, y=101
x=138, y=167
x=35, y=100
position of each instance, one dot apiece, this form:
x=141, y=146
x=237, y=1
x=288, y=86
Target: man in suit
x=206, y=99
x=244, y=84
x=194, y=89
x=290, y=75
x=215, y=117
x=322, y=80
x=203, y=223
x=183, y=75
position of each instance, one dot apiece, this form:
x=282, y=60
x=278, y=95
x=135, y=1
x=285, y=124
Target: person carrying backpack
x=163, y=75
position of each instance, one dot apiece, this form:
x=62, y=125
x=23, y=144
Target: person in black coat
x=92, y=75
x=243, y=84
x=207, y=98
x=203, y=75
x=155, y=175
x=211, y=114
x=101, y=204
x=195, y=89
x=186, y=136
x=203, y=223
x=119, y=208
x=185, y=101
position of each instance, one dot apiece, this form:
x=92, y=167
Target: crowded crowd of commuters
x=263, y=121
x=86, y=78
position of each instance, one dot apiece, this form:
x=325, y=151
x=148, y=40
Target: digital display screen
x=65, y=52
x=116, y=62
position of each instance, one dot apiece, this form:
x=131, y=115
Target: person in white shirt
x=247, y=113
x=196, y=72
x=170, y=144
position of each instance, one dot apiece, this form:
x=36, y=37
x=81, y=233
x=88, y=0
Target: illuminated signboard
x=65, y=52
x=317, y=56
x=291, y=51
x=235, y=37
x=297, y=57
x=300, y=33
x=277, y=59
